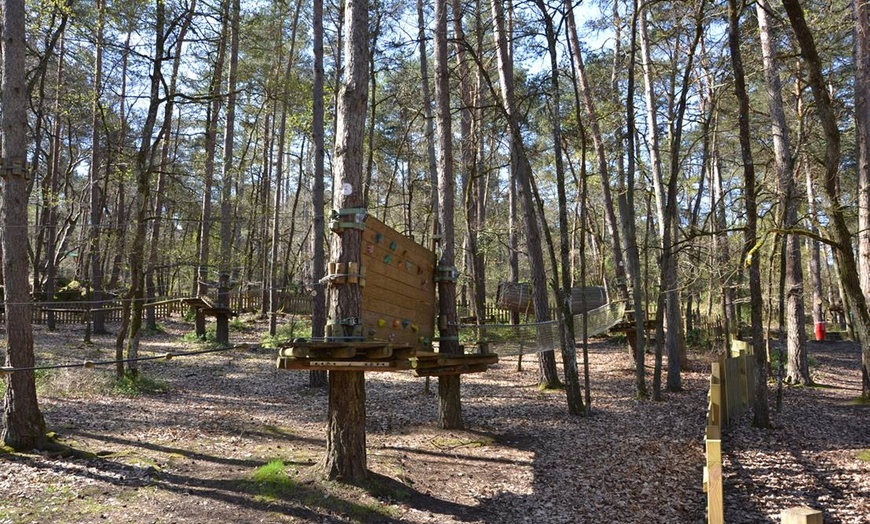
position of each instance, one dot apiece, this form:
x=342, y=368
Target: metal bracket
x=348, y=218
x=13, y=167
x=446, y=274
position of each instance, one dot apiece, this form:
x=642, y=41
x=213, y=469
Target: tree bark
x=861, y=12
x=838, y=228
x=449, y=401
x=761, y=410
x=573, y=391
x=215, y=100
x=346, y=438
x=94, y=197
x=523, y=172
x=798, y=370
x=318, y=264
x=23, y=424
x=229, y=168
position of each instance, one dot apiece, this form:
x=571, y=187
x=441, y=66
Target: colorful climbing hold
x=378, y=237
x=415, y=328
x=406, y=323
x=382, y=322
x=396, y=324
x=393, y=245
x=388, y=259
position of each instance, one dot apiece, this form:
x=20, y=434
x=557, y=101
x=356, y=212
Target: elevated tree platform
x=378, y=356
x=209, y=307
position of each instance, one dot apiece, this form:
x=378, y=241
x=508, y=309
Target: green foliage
x=272, y=481
x=210, y=336
x=239, y=325
x=72, y=290
x=287, y=332
x=864, y=455
x=134, y=385
x=698, y=340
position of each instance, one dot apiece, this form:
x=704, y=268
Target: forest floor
x=226, y=437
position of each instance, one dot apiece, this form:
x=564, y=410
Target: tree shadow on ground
x=245, y=497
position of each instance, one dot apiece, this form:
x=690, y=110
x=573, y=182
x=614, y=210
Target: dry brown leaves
x=188, y=455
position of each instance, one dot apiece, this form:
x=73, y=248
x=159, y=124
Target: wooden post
x=801, y=515
x=715, y=501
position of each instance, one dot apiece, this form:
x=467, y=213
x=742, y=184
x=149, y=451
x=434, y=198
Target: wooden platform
x=208, y=307
x=378, y=356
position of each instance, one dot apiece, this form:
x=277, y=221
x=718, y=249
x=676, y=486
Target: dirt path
x=233, y=440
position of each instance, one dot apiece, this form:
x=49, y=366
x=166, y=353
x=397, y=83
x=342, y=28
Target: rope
x=89, y=363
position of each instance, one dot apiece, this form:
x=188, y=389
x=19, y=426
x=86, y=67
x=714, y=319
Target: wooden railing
x=732, y=391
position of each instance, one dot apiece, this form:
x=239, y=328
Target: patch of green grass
x=860, y=401
x=272, y=481
x=287, y=332
x=544, y=388
x=73, y=382
x=864, y=455
x=239, y=325
x=134, y=385
x=158, y=329
x=453, y=443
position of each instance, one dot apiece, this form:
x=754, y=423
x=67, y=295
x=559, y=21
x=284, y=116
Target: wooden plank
x=801, y=515
x=341, y=365
x=403, y=243
x=715, y=500
x=377, y=353
x=405, y=271
x=321, y=352
x=442, y=371
x=455, y=360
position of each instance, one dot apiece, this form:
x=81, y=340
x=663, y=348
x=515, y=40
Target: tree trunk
x=143, y=170
x=861, y=12
x=94, y=197
x=523, y=172
x=838, y=229
x=346, y=439
x=627, y=216
x=798, y=369
x=449, y=401
x=229, y=167
x=156, y=225
x=23, y=424
x=594, y=128
x=318, y=264
x=573, y=391
x=274, y=280
x=427, y=112
x=761, y=410
x=212, y=115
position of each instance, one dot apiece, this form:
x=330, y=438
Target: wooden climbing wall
x=398, y=299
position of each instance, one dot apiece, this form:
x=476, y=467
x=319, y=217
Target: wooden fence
x=732, y=392
x=247, y=301
x=72, y=312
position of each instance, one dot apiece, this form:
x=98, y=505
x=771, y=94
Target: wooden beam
x=801, y=515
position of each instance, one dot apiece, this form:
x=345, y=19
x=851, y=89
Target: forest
x=706, y=163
